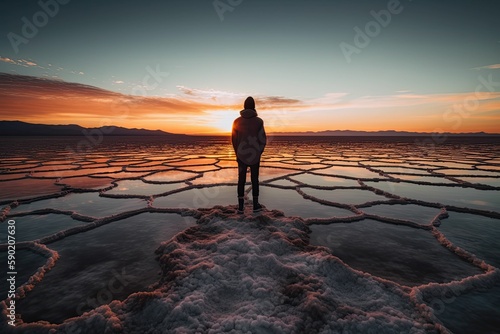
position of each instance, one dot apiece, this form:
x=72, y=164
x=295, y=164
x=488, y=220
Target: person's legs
x=242, y=178
x=254, y=170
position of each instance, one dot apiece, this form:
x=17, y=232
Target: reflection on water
x=328, y=181
x=458, y=196
x=292, y=204
x=346, y=196
x=125, y=247
x=35, y=227
x=416, y=213
x=171, y=176
x=357, y=172
x=409, y=256
x=479, y=235
x=198, y=198
x=89, y=204
x=138, y=187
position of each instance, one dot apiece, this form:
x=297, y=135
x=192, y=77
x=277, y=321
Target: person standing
x=249, y=140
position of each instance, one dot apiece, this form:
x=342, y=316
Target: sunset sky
x=186, y=66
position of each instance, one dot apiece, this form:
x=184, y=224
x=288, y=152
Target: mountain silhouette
x=18, y=128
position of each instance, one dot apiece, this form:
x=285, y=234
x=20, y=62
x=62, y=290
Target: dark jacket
x=248, y=137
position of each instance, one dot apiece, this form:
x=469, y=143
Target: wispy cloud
x=211, y=95
x=488, y=67
x=30, y=63
x=231, y=99
x=7, y=60
x=19, y=62
x=415, y=100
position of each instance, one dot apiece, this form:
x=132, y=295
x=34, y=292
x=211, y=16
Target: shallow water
x=408, y=256
x=415, y=213
x=106, y=211
x=116, y=255
x=466, y=197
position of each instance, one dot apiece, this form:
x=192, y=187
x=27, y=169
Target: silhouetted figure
x=249, y=139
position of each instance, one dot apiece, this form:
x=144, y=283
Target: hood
x=248, y=113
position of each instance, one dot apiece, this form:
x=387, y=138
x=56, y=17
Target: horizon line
x=318, y=133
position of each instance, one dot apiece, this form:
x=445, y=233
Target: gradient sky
x=434, y=65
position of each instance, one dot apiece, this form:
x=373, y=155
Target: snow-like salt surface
x=318, y=259
x=257, y=275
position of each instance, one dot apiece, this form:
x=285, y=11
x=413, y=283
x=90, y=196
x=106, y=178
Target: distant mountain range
x=387, y=133
x=17, y=128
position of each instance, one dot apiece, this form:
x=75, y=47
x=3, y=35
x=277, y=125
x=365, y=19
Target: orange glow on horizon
x=55, y=102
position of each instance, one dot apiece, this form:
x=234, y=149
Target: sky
x=186, y=66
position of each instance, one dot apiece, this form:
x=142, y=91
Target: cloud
x=7, y=60
x=277, y=102
x=27, y=63
x=235, y=100
x=26, y=97
x=415, y=100
x=54, y=101
x=488, y=67
x=19, y=62
x=118, y=82
x=215, y=96
x=31, y=63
